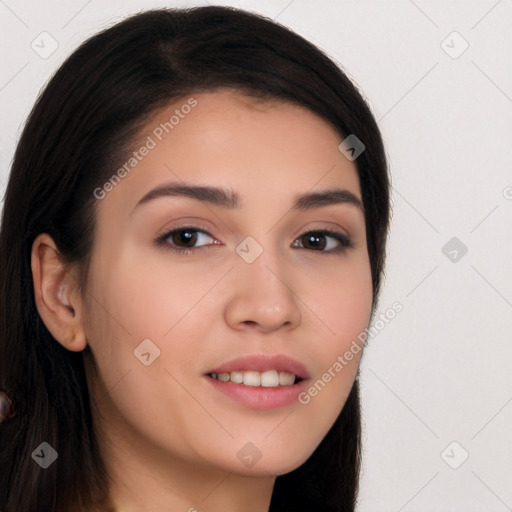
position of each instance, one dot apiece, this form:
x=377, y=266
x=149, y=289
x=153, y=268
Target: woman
x=192, y=241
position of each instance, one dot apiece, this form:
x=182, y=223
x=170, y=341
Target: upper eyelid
x=168, y=231
x=191, y=227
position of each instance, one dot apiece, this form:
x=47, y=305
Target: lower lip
x=259, y=397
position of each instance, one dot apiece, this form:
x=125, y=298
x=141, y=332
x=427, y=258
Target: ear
x=57, y=294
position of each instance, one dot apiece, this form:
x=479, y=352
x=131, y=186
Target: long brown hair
x=79, y=130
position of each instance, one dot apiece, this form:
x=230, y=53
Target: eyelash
x=163, y=240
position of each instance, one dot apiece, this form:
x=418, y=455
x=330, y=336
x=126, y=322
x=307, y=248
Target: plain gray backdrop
x=436, y=380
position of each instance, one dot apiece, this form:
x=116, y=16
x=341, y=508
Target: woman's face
x=209, y=248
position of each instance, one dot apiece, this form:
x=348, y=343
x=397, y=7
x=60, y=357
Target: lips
x=263, y=363
x=252, y=381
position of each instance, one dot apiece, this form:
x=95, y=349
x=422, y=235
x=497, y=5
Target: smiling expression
x=239, y=236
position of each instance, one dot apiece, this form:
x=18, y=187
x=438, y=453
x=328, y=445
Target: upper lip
x=263, y=363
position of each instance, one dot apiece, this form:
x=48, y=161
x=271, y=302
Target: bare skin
x=169, y=438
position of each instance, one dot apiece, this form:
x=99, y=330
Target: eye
x=323, y=240
x=185, y=239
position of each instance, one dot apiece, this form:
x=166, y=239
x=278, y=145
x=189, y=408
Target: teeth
x=224, y=377
x=252, y=378
x=286, y=379
x=237, y=377
x=268, y=379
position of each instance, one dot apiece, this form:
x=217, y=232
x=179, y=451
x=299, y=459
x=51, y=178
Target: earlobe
x=57, y=295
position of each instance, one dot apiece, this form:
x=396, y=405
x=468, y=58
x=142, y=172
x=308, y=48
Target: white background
x=440, y=371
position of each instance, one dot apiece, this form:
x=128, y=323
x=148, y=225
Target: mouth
x=267, y=379
x=260, y=381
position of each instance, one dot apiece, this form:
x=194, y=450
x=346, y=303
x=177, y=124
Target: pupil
x=315, y=241
x=185, y=238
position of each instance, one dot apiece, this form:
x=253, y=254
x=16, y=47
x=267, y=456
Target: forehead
x=265, y=150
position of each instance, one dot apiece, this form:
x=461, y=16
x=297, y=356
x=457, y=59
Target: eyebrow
x=228, y=198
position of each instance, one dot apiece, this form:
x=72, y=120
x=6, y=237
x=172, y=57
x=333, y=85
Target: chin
x=275, y=465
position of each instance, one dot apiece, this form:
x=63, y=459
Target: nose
x=262, y=298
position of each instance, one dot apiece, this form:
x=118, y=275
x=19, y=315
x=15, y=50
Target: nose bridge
x=262, y=293
x=264, y=265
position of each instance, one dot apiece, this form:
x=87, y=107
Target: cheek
x=341, y=303
x=340, y=296
x=132, y=302
x=146, y=298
